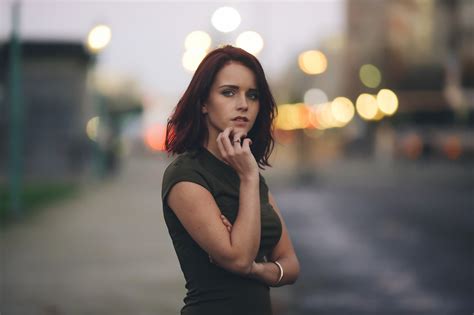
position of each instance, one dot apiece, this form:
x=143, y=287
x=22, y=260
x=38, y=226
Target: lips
x=240, y=118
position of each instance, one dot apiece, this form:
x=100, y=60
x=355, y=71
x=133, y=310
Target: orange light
x=412, y=146
x=312, y=62
x=313, y=119
x=155, y=137
x=452, y=147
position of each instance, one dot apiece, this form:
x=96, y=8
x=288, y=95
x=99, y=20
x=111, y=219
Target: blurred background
x=372, y=169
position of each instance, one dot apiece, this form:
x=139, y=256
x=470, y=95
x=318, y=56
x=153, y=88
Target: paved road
x=106, y=252
x=398, y=242
x=391, y=243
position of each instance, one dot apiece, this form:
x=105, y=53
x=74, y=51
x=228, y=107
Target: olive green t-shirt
x=210, y=288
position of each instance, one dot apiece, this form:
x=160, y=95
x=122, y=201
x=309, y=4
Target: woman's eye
x=253, y=96
x=228, y=93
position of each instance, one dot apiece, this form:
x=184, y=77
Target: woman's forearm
x=245, y=235
x=269, y=272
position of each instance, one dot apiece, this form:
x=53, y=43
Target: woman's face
x=233, y=100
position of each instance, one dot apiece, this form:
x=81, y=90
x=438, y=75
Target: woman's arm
x=197, y=210
x=284, y=253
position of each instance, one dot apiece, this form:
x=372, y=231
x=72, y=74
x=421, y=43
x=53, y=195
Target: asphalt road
x=398, y=241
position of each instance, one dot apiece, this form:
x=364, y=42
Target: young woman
x=230, y=238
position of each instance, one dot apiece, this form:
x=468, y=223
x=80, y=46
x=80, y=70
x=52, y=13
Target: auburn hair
x=186, y=128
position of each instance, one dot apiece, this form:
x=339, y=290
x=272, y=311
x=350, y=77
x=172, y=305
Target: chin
x=244, y=129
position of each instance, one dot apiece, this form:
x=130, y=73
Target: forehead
x=235, y=73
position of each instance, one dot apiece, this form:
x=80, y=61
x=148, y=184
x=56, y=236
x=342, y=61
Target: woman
x=228, y=233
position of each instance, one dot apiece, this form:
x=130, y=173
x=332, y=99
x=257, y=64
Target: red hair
x=186, y=129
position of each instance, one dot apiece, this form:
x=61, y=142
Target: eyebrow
x=235, y=87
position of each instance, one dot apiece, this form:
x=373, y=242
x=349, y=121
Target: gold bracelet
x=281, y=271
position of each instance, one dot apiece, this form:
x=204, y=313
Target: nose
x=242, y=103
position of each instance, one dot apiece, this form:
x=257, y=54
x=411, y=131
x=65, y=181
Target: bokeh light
x=323, y=117
x=293, y=116
x=92, y=128
x=155, y=137
x=342, y=110
x=313, y=117
x=370, y=75
x=197, y=40
x=328, y=118
x=412, y=146
x=312, y=62
x=366, y=106
x=192, y=59
x=452, y=147
x=379, y=115
x=322, y=121
x=226, y=19
x=250, y=41
x=387, y=101
x=315, y=96
x=98, y=38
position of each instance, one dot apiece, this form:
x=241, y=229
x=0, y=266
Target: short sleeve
x=263, y=189
x=177, y=172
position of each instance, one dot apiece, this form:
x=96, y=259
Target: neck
x=211, y=146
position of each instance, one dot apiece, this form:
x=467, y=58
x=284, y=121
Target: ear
x=204, y=108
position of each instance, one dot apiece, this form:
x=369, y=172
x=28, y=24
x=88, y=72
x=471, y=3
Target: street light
x=312, y=62
x=226, y=19
x=97, y=40
x=250, y=41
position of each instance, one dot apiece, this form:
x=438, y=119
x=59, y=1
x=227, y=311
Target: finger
x=221, y=147
x=226, y=222
x=225, y=138
x=239, y=136
x=236, y=143
x=237, y=140
x=246, y=144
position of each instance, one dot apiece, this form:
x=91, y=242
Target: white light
x=387, y=101
x=342, y=110
x=226, y=19
x=92, y=128
x=315, y=96
x=192, y=59
x=197, y=40
x=250, y=41
x=98, y=38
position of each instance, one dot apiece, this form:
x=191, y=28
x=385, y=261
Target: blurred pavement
x=105, y=252
x=371, y=240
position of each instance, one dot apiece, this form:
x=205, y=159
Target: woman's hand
x=236, y=152
x=227, y=223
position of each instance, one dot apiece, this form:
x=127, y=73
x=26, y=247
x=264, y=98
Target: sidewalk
x=105, y=252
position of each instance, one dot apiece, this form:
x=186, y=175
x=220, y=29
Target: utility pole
x=16, y=113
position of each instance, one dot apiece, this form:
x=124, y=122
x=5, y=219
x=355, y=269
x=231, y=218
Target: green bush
x=35, y=196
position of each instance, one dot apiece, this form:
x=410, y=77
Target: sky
x=148, y=36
